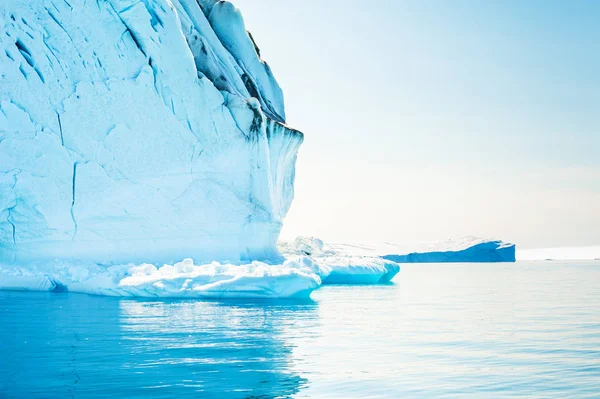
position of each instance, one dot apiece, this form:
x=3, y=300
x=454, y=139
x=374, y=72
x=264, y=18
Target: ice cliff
x=138, y=131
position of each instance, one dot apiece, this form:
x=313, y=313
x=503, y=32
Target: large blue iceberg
x=135, y=134
x=477, y=250
x=466, y=249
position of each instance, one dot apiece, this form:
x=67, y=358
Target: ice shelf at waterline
x=138, y=131
x=296, y=277
x=181, y=280
x=306, y=268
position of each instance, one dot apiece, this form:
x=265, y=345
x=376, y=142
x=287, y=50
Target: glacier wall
x=138, y=131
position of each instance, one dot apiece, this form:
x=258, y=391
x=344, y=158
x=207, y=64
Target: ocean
x=525, y=329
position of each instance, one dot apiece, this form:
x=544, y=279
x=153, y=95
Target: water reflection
x=442, y=331
x=68, y=345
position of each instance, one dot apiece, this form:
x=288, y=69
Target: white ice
x=307, y=266
x=138, y=131
x=181, y=280
x=338, y=266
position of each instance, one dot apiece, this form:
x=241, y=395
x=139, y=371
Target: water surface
x=453, y=330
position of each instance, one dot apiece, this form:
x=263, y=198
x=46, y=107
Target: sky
x=429, y=120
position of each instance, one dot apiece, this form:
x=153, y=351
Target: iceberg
x=467, y=249
x=337, y=265
x=135, y=134
x=138, y=133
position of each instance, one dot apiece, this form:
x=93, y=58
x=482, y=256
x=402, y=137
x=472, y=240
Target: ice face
x=138, y=131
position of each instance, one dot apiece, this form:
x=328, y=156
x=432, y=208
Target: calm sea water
x=454, y=330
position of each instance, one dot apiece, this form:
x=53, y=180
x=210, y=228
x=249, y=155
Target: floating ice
x=358, y=270
x=181, y=280
x=308, y=265
x=336, y=266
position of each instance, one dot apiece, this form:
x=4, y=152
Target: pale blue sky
x=426, y=120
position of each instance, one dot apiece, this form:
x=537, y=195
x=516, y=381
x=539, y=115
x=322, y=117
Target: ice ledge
x=182, y=280
x=293, y=279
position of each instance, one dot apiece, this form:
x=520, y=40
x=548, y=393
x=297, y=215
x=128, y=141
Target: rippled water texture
x=477, y=330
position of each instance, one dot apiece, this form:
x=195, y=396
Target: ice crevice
x=62, y=138
x=73, y=192
x=14, y=228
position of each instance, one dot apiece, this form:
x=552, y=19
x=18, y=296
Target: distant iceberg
x=467, y=249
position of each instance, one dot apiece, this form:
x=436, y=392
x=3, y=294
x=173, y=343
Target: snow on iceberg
x=182, y=280
x=138, y=131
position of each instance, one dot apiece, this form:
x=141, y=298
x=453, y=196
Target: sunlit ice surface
x=440, y=330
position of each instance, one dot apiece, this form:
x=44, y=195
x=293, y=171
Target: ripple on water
x=524, y=329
